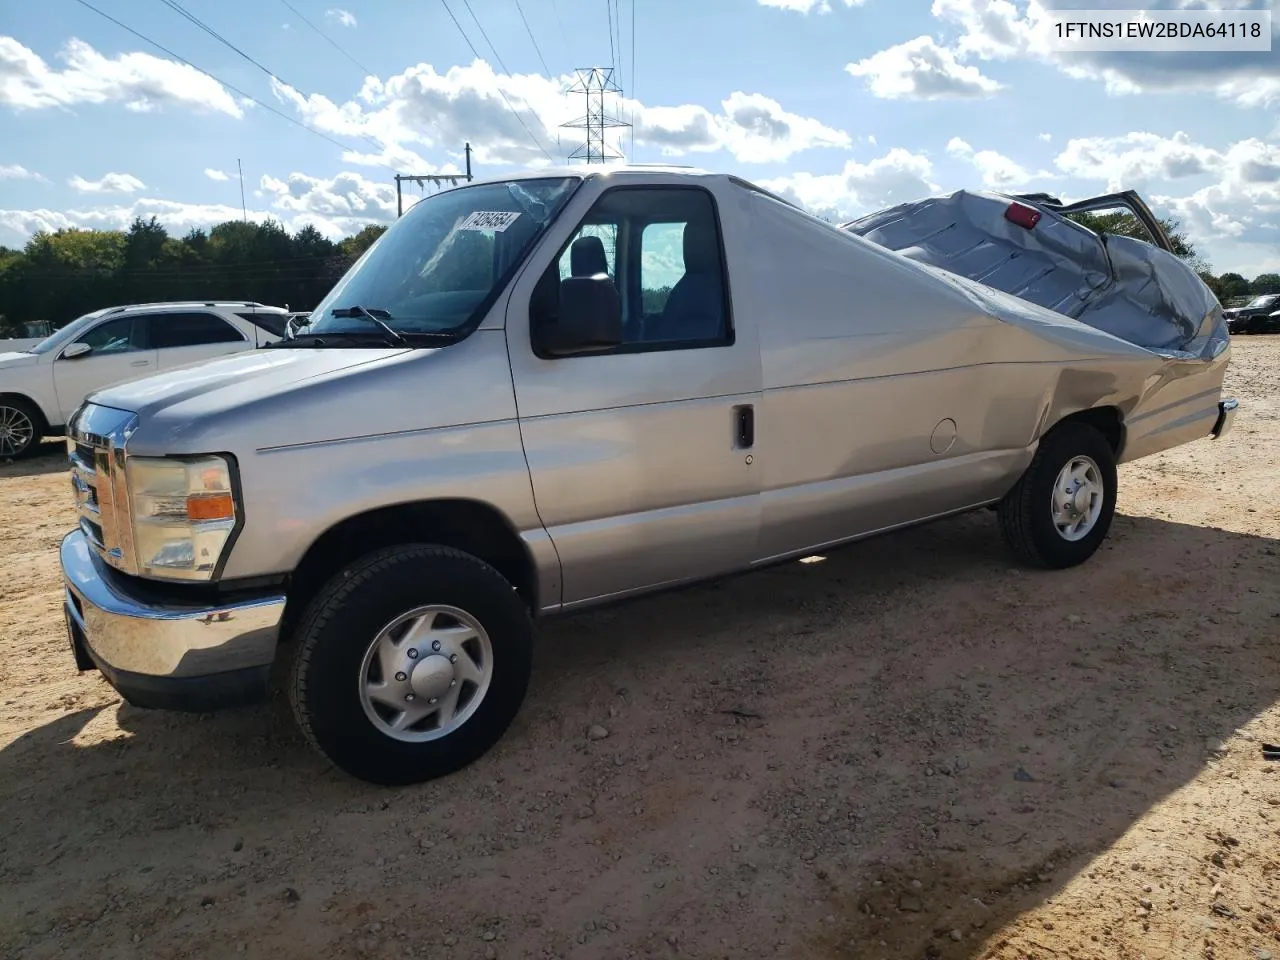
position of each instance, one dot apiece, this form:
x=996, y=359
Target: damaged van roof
x=1027, y=246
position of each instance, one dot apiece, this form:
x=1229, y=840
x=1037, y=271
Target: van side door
x=640, y=456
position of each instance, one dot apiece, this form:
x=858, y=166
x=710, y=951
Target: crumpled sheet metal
x=1128, y=288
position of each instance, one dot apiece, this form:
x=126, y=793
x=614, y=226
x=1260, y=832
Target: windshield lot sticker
x=496, y=220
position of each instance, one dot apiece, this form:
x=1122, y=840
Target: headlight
x=184, y=512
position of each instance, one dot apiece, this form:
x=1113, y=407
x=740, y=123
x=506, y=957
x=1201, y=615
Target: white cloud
x=807, y=6
x=138, y=80
x=1244, y=204
x=752, y=127
x=998, y=172
x=896, y=177
x=218, y=175
x=337, y=206
x=176, y=217
x=14, y=171
x=421, y=107
x=919, y=69
x=344, y=17
x=991, y=29
x=1138, y=159
x=1008, y=29
x=1238, y=211
x=109, y=183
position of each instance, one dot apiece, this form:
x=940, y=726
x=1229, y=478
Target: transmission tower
x=594, y=83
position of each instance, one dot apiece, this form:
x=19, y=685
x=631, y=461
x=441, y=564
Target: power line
x=617, y=26
x=498, y=58
x=179, y=8
x=537, y=50
x=165, y=50
x=613, y=57
x=501, y=93
x=467, y=4
x=564, y=37
x=633, y=80
x=335, y=43
x=184, y=12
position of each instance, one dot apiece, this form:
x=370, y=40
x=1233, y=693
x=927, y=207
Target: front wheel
x=20, y=428
x=411, y=664
x=1060, y=511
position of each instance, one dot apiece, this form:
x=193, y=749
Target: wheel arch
x=472, y=526
x=1107, y=420
x=44, y=422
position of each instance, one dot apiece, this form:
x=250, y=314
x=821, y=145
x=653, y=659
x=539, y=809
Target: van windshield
x=441, y=265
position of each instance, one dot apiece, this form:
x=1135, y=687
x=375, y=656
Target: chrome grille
x=96, y=438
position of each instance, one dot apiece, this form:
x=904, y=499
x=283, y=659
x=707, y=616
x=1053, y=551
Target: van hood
x=213, y=386
x=294, y=396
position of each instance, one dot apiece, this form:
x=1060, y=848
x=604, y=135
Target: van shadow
x=889, y=735
x=51, y=457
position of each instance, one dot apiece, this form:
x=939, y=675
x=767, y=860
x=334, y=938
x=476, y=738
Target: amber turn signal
x=216, y=506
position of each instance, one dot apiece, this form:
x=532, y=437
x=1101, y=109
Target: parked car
x=1259, y=315
x=545, y=392
x=42, y=385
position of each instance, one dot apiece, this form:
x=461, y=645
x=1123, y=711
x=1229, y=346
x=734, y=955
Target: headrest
x=586, y=257
x=701, y=247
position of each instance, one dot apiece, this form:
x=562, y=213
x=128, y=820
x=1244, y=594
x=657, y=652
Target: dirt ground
x=911, y=749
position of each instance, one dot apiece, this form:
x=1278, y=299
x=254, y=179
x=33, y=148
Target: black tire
x=1026, y=512
x=341, y=624
x=23, y=415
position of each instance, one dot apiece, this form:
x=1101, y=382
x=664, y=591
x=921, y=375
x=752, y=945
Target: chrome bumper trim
x=1226, y=417
x=141, y=637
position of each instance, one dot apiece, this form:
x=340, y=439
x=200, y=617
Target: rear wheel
x=20, y=428
x=410, y=664
x=1061, y=509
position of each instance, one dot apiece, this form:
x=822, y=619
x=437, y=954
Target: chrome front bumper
x=1226, y=417
x=173, y=656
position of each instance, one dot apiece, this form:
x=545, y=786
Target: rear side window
x=191, y=330
x=273, y=323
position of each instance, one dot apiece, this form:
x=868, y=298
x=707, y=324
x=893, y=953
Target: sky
x=845, y=106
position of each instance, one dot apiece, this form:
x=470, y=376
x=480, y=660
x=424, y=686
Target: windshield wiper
x=393, y=335
x=384, y=333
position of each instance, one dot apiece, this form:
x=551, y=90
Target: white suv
x=42, y=386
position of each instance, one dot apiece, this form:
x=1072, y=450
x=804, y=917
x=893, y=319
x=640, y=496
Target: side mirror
x=589, y=317
x=76, y=350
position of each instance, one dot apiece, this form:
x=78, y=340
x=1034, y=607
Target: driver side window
x=121, y=335
x=661, y=248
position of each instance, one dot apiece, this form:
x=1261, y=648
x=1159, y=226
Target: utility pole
x=421, y=179
x=244, y=212
x=594, y=83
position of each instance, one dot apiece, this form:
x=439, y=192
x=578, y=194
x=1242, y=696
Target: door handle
x=140, y=363
x=746, y=425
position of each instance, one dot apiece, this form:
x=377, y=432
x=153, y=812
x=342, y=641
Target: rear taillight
x=1023, y=216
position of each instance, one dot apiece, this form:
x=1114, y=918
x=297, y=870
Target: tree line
x=61, y=275
x=58, y=276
